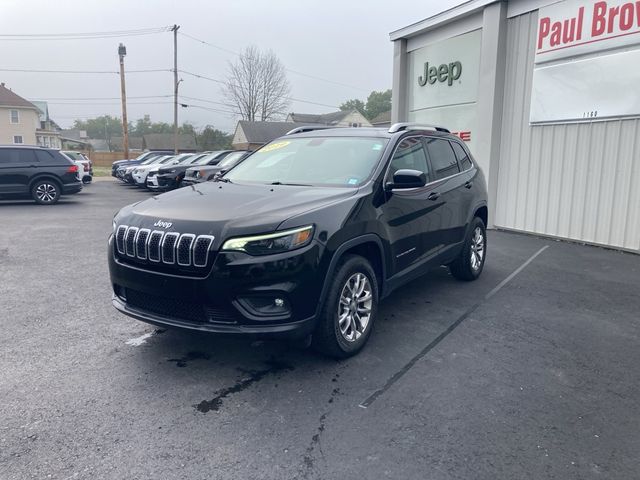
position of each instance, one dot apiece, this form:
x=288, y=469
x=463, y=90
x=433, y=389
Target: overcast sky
x=343, y=41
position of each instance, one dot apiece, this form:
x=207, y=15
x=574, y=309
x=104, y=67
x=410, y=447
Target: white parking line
x=141, y=340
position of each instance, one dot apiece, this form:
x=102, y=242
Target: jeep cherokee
x=305, y=236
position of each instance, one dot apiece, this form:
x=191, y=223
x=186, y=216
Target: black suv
x=305, y=236
x=41, y=173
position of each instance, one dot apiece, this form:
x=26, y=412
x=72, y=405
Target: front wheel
x=349, y=310
x=468, y=266
x=45, y=192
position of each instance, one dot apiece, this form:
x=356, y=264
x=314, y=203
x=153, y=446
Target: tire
x=468, y=266
x=46, y=191
x=336, y=338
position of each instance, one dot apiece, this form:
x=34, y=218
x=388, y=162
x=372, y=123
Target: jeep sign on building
x=547, y=95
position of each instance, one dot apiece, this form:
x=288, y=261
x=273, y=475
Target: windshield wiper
x=221, y=179
x=292, y=184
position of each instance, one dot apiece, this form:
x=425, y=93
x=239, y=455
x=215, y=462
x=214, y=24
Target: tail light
x=86, y=167
x=72, y=169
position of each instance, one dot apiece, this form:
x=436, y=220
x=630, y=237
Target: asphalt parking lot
x=530, y=372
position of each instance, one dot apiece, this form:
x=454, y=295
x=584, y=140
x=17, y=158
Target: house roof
x=323, y=119
x=382, y=118
x=74, y=134
x=164, y=141
x=135, y=143
x=10, y=99
x=264, y=132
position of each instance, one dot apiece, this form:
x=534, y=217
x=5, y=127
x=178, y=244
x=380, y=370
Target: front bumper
x=222, y=300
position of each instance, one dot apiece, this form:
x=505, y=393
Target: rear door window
x=462, y=156
x=443, y=160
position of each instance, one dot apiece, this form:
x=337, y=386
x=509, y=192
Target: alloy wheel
x=477, y=248
x=46, y=192
x=354, y=309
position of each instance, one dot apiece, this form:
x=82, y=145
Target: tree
x=377, y=103
x=257, y=86
x=211, y=138
x=354, y=104
x=103, y=127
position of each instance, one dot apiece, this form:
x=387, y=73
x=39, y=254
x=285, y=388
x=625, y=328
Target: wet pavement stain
x=253, y=376
x=189, y=357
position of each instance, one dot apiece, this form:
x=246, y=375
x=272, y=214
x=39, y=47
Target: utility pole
x=175, y=87
x=122, y=51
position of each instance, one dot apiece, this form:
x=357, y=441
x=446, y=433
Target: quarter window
x=409, y=155
x=462, y=155
x=15, y=116
x=17, y=139
x=443, y=160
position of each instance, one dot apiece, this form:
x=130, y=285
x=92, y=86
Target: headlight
x=113, y=224
x=271, y=243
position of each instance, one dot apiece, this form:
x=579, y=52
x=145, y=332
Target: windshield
x=150, y=159
x=207, y=158
x=231, y=159
x=319, y=161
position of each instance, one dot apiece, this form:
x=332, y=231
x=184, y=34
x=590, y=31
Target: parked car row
x=159, y=172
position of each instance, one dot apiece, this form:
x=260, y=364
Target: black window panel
x=26, y=157
x=409, y=155
x=15, y=156
x=44, y=156
x=443, y=160
x=462, y=155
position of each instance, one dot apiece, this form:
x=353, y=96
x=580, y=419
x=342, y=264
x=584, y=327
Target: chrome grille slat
x=120, y=234
x=183, y=249
x=141, y=243
x=201, y=247
x=168, y=248
x=153, y=246
x=130, y=241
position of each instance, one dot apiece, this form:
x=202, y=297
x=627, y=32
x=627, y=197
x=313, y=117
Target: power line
x=199, y=40
x=204, y=77
x=99, y=98
x=84, y=35
x=25, y=70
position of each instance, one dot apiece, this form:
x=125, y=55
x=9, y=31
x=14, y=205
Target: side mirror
x=407, y=178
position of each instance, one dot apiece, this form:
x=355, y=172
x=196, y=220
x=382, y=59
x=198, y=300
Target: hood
x=227, y=209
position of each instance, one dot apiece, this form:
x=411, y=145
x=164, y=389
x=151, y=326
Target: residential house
x=135, y=144
x=74, y=139
x=253, y=135
x=342, y=118
x=49, y=133
x=19, y=118
x=165, y=141
x=382, y=120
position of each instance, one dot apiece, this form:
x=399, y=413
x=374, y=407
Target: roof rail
x=397, y=127
x=309, y=128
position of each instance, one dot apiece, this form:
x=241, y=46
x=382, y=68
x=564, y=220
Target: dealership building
x=547, y=96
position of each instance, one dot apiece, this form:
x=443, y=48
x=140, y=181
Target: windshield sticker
x=273, y=146
x=353, y=181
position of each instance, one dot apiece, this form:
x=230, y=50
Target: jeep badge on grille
x=162, y=224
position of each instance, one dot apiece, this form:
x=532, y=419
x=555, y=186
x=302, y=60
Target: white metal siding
x=577, y=181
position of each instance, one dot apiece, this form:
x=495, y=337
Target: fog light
x=265, y=305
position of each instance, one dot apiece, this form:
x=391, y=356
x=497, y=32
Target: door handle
x=433, y=196
x=469, y=184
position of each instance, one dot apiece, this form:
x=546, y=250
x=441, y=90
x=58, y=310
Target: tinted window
x=17, y=157
x=44, y=156
x=409, y=154
x=463, y=157
x=442, y=158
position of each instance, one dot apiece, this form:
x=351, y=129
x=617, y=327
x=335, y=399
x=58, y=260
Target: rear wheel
x=468, y=266
x=348, y=313
x=46, y=192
